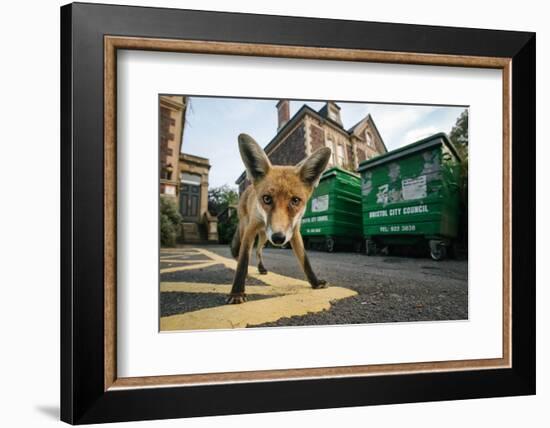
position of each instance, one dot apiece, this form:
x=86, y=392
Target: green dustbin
x=410, y=196
x=333, y=215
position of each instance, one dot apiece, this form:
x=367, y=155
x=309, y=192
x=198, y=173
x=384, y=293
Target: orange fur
x=271, y=209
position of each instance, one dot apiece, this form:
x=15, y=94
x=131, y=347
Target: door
x=190, y=195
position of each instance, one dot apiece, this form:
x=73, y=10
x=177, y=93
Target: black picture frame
x=83, y=398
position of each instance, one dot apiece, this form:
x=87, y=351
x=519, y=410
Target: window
x=330, y=145
x=190, y=178
x=340, y=157
x=368, y=139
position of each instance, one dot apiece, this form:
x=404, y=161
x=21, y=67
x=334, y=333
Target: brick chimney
x=283, y=113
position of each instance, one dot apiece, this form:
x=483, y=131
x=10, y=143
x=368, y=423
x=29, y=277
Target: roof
x=417, y=146
x=352, y=129
x=321, y=115
x=368, y=118
x=186, y=157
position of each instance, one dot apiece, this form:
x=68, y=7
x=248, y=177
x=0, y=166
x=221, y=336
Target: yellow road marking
x=188, y=267
x=178, y=249
x=184, y=261
x=179, y=256
x=291, y=297
x=203, y=287
x=255, y=312
x=179, y=253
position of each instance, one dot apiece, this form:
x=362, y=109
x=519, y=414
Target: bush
x=226, y=229
x=170, y=222
x=219, y=198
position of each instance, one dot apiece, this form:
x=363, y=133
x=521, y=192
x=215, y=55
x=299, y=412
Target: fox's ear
x=254, y=158
x=312, y=168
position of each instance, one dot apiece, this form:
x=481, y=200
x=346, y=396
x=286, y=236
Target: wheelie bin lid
x=336, y=170
x=417, y=146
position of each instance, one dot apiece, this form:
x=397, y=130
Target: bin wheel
x=329, y=245
x=307, y=244
x=358, y=246
x=438, y=250
x=370, y=247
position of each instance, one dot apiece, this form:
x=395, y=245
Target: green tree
x=459, y=133
x=219, y=198
x=459, y=138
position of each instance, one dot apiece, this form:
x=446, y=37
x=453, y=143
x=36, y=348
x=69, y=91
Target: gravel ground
x=381, y=306
x=215, y=274
x=173, y=303
x=390, y=289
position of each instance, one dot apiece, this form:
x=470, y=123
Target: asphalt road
x=390, y=289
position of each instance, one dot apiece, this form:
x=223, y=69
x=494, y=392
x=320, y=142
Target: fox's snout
x=279, y=224
x=278, y=238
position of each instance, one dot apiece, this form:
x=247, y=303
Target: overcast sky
x=213, y=124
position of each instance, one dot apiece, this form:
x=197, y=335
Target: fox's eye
x=295, y=201
x=267, y=199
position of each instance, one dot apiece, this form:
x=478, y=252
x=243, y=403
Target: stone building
x=198, y=223
x=184, y=177
x=172, y=117
x=309, y=130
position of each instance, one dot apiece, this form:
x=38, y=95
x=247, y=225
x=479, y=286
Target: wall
x=317, y=136
x=29, y=226
x=288, y=151
x=171, y=115
x=292, y=149
x=362, y=149
x=172, y=112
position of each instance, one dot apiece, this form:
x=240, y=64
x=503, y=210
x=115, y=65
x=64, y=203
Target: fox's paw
x=235, y=299
x=320, y=283
x=262, y=270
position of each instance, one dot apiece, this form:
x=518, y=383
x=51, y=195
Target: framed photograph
x=267, y=213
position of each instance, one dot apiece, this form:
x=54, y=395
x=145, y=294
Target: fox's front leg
x=300, y=253
x=262, y=239
x=237, y=294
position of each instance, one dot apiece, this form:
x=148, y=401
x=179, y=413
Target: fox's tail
x=236, y=243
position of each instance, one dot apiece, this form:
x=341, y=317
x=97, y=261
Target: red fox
x=272, y=208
